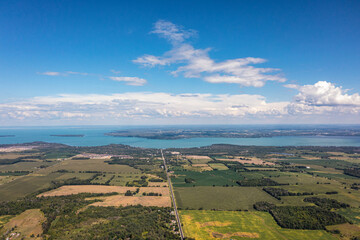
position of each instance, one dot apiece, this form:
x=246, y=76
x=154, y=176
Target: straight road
x=173, y=198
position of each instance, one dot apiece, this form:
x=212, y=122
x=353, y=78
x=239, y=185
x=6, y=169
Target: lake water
x=94, y=136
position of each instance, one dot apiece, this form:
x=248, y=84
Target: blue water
x=94, y=136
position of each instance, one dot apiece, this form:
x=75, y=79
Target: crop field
x=76, y=189
x=205, y=178
x=221, y=198
x=203, y=225
x=195, y=159
x=120, y=200
x=246, y=160
x=25, y=185
x=218, y=166
x=202, y=166
x=25, y=166
x=90, y=165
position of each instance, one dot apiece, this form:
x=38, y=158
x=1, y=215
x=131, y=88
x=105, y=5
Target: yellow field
x=121, y=200
x=76, y=189
x=204, y=225
x=246, y=160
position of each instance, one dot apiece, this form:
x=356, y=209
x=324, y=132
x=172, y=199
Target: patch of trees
x=295, y=217
x=80, y=158
x=278, y=192
x=156, y=180
x=331, y=192
x=138, y=182
x=257, y=182
x=132, y=222
x=50, y=206
x=14, y=173
x=355, y=172
x=326, y=203
x=151, y=194
x=9, y=161
x=189, y=180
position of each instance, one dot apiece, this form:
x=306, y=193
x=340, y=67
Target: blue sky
x=161, y=62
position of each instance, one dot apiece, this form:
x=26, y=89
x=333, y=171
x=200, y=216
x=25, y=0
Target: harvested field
x=24, y=225
x=120, y=200
x=76, y=189
x=246, y=160
x=202, y=166
x=198, y=157
x=15, y=149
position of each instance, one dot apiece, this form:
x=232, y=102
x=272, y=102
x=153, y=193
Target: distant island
x=172, y=133
x=67, y=135
x=7, y=135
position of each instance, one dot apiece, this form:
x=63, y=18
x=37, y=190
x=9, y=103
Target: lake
x=94, y=136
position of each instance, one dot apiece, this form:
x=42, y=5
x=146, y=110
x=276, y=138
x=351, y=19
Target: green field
x=218, y=166
x=241, y=225
x=220, y=198
x=205, y=178
x=23, y=186
x=90, y=165
x=25, y=166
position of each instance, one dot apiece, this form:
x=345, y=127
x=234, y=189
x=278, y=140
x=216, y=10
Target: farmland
x=222, y=191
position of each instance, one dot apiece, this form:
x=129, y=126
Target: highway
x=173, y=198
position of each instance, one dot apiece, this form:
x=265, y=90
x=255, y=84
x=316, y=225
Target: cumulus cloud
x=324, y=93
x=133, y=81
x=196, y=63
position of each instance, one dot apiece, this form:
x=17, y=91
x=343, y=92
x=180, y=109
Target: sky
x=179, y=62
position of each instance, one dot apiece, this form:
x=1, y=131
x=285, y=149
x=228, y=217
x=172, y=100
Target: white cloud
x=196, y=63
x=141, y=105
x=172, y=32
x=152, y=107
x=133, y=81
x=51, y=73
x=324, y=93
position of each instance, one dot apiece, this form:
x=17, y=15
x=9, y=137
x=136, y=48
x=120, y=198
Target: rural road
x=173, y=198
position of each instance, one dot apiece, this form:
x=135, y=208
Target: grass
x=346, y=230
x=353, y=214
x=27, y=223
x=240, y=225
x=220, y=198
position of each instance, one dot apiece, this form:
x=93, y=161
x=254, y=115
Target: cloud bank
x=318, y=100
